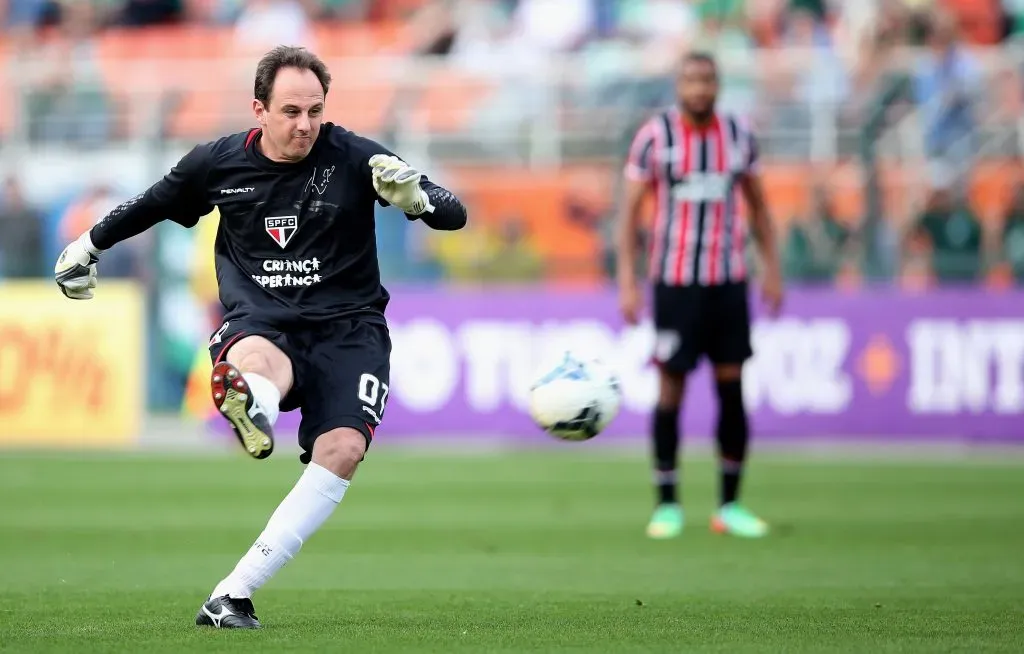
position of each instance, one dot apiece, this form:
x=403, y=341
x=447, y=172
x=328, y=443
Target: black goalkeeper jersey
x=296, y=241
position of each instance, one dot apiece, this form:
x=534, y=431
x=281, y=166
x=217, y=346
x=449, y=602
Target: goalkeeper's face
x=291, y=121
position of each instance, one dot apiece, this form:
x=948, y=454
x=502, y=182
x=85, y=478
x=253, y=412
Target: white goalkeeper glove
x=75, y=271
x=399, y=184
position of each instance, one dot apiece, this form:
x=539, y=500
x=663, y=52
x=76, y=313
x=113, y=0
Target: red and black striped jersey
x=698, y=235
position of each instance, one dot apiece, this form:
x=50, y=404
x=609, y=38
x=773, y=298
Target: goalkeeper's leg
x=250, y=376
x=341, y=408
x=312, y=500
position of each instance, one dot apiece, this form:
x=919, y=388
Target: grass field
x=515, y=553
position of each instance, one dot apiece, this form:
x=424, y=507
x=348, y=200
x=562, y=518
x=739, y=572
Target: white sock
x=265, y=394
x=303, y=510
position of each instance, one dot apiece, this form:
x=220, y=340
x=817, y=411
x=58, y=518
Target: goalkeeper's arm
x=178, y=196
x=400, y=185
x=448, y=211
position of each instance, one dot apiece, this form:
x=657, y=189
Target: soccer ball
x=575, y=398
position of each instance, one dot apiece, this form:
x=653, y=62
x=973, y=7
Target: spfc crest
x=282, y=228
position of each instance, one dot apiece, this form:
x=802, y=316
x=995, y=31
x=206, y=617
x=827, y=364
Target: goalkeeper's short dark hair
x=284, y=56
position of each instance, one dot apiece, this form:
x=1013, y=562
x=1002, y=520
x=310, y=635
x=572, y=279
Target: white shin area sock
x=303, y=510
x=265, y=394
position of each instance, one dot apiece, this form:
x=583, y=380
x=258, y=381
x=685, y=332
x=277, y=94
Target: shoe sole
x=663, y=536
x=719, y=527
x=231, y=397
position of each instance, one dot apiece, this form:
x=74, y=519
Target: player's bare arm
x=628, y=227
x=764, y=235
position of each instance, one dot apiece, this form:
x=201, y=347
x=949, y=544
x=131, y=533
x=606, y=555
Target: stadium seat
x=980, y=21
x=451, y=99
x=180, y=65
x=541, y=199
x=337, y=39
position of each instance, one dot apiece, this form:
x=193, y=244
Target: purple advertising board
x=865, y=364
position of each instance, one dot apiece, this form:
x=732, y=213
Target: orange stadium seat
x=198, y=114
x=451, y=99
x=164, y=61
x=186, y=62
x=361, y=39
x=361, y=95
x=789, y=193
x=992, y=187
x=540, y=198
x=979, y=20
x=391, y=10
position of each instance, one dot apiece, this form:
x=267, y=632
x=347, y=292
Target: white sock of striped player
x=267, y=397
x=302, y=512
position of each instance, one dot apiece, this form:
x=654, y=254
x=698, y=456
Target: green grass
x=514, y=553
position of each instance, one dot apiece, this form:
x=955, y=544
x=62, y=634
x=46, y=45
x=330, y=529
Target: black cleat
x=228, y=613
x=233, y=399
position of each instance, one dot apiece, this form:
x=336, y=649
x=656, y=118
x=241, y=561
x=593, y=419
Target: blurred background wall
x=891, y=131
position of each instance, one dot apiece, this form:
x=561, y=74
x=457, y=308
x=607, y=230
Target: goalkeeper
x=298, y=276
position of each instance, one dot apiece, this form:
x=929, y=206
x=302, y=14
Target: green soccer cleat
x=667, y=522
x=735, y=520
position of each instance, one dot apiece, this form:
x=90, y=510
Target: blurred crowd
x=843, y=56
x=766, y=22
x=945, y=242
x=146, y=13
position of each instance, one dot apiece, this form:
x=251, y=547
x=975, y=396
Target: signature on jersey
x=325, y=179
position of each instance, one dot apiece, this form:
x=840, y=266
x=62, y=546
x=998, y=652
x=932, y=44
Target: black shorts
x=341, y=371
x=691, y=321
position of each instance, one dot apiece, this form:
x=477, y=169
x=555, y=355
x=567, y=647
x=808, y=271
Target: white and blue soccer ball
x=574, y=398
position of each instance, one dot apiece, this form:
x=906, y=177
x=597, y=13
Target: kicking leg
x=247, y=389
x=667, y=521
x=733, y=436
x=336, y=455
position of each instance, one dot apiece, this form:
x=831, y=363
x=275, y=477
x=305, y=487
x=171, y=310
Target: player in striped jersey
x=693, y=159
